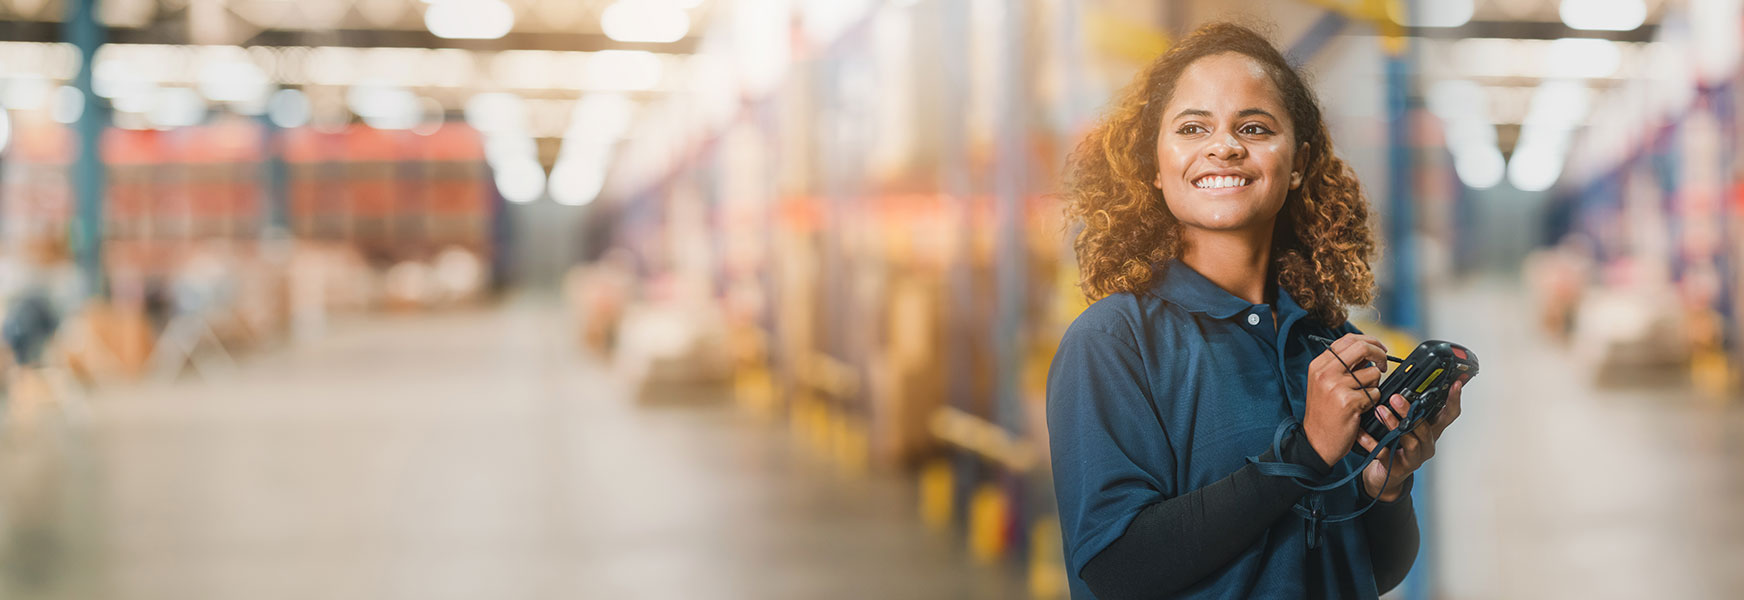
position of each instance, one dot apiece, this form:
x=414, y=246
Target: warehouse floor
x=469, y=455
x=475, y=455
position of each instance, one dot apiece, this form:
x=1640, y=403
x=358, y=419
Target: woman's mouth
x=1214, y=182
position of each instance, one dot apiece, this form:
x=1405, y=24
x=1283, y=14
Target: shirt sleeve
x=1393, y=537
x=1180, y=541
x=1110, y=453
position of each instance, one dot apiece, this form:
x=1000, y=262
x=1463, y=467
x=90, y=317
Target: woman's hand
x=1336, y=399
x=1415, y=448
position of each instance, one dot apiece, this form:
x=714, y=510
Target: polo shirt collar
x=1186, y=288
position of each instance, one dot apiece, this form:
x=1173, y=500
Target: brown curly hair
x=1321, y=244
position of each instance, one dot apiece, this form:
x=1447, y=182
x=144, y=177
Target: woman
x=1220, y=232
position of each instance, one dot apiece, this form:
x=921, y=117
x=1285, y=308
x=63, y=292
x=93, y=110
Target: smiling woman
x=1220, y=237
x=1132, y=204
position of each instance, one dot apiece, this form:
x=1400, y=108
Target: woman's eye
x=1190, y=129
x=1255, y=130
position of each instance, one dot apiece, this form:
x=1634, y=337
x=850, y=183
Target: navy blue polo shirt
x=1152, y=396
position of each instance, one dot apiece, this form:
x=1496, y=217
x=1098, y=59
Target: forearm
x=1391, y=529
x=1175, y=543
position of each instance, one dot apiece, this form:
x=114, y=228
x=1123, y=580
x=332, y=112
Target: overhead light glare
x=623, y=70
x=469, y=19
x=1604, y=15
x=1479, y=167
x=520, y=181
x=288, y=108
x=651, y=21
x=1583, y=58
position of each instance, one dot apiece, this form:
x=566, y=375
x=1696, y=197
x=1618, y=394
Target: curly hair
x=1321, y=244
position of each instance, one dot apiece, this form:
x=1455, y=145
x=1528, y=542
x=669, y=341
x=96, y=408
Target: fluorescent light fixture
x=520, y=181
x=508, y=148
x=622, y=70
x=1583, y=58
x=68, y=105
x=233, y=81
x=1432, y=13
x=176, y=107
x=604, y=117
x=1604, y=15
x=651, y=21
x=114, y=78
x=469, y=19
x=497, y=112
x=1453, y=99
x=1479, y=167
x=576, y=183
x=25, y=92
x=1559, y=104
x=1535, y=167
x=384, y=107
x=288, y=108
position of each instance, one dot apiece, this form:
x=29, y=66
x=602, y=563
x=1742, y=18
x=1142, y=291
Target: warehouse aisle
x=1551, y=486
x=468, y=455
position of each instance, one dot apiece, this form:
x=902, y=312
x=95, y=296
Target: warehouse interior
x=757, y=298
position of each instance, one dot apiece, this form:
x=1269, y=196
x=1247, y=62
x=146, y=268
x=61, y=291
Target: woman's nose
x=1226, y=147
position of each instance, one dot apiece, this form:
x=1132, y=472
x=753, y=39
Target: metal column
x=88, y=181
x=1401, y=304
x=1011, y=257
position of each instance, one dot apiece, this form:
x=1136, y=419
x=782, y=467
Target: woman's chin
x=1227, y=223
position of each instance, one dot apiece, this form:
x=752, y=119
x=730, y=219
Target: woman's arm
x=1391, y=529
x=1175, y=543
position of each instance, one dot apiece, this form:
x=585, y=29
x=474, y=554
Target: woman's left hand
x=1415, y=448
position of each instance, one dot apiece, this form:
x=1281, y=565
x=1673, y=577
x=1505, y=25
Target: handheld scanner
x=1424, y=379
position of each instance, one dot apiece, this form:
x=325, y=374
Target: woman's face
x=1227, y=153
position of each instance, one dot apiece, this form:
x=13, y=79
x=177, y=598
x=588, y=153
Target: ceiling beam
x=1531, y=30
x=50, y=31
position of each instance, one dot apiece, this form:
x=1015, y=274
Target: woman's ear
x=1300, y=169
x=1158, y=182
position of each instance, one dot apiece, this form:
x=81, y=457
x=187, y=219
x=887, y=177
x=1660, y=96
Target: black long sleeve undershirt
x=1391, y=530
x=1175, y=543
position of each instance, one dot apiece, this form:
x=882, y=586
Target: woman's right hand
x=1336, y=400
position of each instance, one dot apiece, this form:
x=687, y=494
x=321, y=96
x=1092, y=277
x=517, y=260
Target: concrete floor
x=1550, y=486
x=474, y=455
x=469, y=455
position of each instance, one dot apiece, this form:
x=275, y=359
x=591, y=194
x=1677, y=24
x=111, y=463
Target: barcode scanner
x=1424, y=378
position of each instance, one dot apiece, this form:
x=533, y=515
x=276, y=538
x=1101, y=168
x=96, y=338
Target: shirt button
x=1253, y=319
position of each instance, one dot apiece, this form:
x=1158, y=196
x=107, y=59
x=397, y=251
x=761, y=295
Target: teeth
x=1222, y=181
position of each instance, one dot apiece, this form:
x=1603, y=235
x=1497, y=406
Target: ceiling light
x=1604, y=15
x=288, y=108
x=176, y=107
x=624, y=70
x=1535, y=167
x=68, y=105
x=651, y=21
x=469, y=19
x=25, y=92
x=1583, y=58
x=604, y=117
x=576, y=182
x=1479, y=167
x=1457, y=98
x=233, y=81
x=520, y=181
x=496, y=112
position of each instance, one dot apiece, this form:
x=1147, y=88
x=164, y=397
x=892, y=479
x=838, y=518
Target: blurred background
x=756, y=298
